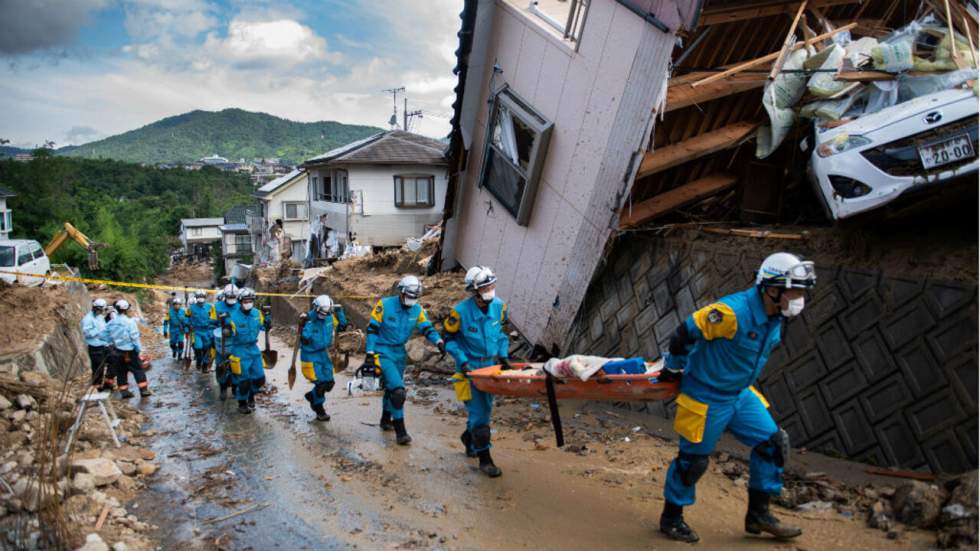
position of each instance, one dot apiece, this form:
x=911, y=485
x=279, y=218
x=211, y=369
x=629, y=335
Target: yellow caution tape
x=89, y=281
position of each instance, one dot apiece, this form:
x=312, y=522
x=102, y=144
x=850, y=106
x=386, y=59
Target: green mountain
x=231, y=133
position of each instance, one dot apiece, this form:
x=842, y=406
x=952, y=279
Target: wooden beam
x=728, y=14
x=765, y=59
x=788, y=43
x=693, y=148
x=870, y=76
x=663, y=203
x=682, y=94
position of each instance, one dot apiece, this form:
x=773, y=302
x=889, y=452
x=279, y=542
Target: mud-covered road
x=345, y=484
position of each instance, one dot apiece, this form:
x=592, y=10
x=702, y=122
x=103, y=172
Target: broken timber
x=693, y=148
x=681, y=94
x=762, y=9
x=678, y=197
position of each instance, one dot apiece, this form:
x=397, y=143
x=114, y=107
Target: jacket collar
x=758, y=308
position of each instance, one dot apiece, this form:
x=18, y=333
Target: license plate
x=946, y=151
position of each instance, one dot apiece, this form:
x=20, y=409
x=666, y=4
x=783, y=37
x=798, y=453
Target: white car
x=915, y=145
x=24, y=256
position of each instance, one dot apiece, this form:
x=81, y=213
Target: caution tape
x=89, y=281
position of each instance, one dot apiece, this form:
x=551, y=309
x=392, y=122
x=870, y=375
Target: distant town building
x=213, y=159
x=23, y=157
x=6, y=221
x=198, y=235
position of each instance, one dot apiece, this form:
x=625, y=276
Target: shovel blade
x=292, y=376
x=270, y=357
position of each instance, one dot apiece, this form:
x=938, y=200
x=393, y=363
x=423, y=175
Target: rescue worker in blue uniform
x=392, y=322
x=124, y=336
x=717, y=354
x=316, y=338
x=225, y=303
x=93, y=325
x=202, y=324
x=176, y=324
x=476, y=339
x=245, y=359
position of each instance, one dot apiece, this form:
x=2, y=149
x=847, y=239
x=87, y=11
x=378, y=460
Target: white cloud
x=148, y=20
x=257, y=43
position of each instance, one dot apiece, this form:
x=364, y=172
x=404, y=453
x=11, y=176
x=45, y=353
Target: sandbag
x=778, y=98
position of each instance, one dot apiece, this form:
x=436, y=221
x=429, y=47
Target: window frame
x=300, y=210
x=533, y=119
x=399, y=182
x=242, y=242
x=6, y=220
x=195, y=232
x=573, y=28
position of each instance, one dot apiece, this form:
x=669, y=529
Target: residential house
x=285, y=199
x=198, y=235
x=6, y=218
x=553, y=112
x=381, y=190
x=236, y=239
x=213, y=159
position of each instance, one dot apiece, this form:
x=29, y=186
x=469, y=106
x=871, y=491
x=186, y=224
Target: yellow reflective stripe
x=213, y=314
x=378, y=314
x=503, y=313
x=261, y=318
x=761, y=397
x=336, y=322
x=90, y=281
x=716, y=321
x=452, y=323
x=421, y=318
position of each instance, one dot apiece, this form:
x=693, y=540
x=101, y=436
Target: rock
x=18, y=416
x=148, y=455
x=32, y=493
x=918, y=504
x=5, y=404
x=103, y=470
x=25, y=458
x=415, y=349
x=958, y=522
x=25, y=402
x=815, y=506
x=119, y=546
x=147, y=469
x=878, y=516
x=125, y=453
x=126, y=483
x=94, y=543
x=127, y=468
x=8, y=467
x=83, y=483
x=34, y=378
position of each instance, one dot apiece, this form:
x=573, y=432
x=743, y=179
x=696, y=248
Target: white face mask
x=794, y=307
x=409, y=301
x=487, y=296
x=231, y=301
x=321, y=315
x=200, y=301
x=246, y=306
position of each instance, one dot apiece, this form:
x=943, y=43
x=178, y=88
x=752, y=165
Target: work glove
x=670, y=376
x=441, y=345
x=304, y=316
x=369, y=361
x=305, y=340
x=505, y=364
x=344, y=327
x=465, y=368
x=223, y=315
x=226, y=331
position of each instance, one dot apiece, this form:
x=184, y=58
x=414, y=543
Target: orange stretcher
x=531, y=383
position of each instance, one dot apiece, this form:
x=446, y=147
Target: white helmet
x=122, y=305
x=200, y=293
x=323, y=304
x=230, y=293
x=410, y=286
x=479, y=277
x=99, y=304
x=178, y=300
x=787, y=271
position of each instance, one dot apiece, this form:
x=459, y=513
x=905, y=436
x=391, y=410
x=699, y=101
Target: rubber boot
x=401, y=434
x=385, y=423
x=223, y=393
x=144, y=392
x=125, y=395
x=467, y=440
x=309, y=398
x=486, y=464
x=251, y=402
x=243, y=407
x=321, y=415
x=759, y=519
x=673, y=526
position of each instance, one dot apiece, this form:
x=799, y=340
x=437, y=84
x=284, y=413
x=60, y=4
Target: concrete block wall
x=881, y=367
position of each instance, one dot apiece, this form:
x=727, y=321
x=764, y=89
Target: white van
x=26, y=257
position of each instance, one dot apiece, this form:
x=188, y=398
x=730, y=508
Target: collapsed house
x=583, y=131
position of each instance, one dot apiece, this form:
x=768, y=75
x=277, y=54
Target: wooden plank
x=869, y=76
x=686, y=194
x=766, y=58
x=682, y=94
x=788, y=43
x=693, y=148
x=728, y=14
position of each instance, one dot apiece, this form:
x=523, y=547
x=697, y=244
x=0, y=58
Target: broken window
x=514, y=154
x=565, y=16
x=415, y=191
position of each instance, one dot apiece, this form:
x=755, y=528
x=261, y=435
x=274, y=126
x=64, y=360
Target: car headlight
x=841, y=143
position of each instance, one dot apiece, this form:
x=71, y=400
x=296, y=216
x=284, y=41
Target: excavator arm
x=71, y=231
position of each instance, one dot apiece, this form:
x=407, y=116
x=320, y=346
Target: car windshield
x=6, y=256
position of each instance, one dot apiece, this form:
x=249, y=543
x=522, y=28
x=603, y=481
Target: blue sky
x=78, y=70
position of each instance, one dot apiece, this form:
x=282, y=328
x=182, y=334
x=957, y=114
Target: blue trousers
x=748, y=420
x=249, y=369
x=317, y=369
x=392, y=372
x=176, y=340
x=478, y=409
x=223, y=379
x=202, y=339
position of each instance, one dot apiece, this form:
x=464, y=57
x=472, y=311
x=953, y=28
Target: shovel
x=188, y=339
x=292, y=364
x=220, y=366
x=269, y=356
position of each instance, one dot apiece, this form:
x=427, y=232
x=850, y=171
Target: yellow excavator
x=71, y=231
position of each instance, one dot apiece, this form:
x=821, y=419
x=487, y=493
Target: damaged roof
x=391, y=147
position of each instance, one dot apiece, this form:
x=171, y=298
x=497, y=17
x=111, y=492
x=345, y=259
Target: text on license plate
x=946, y=151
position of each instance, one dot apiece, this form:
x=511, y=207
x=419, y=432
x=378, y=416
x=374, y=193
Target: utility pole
x=408, y=116
x=393, y=121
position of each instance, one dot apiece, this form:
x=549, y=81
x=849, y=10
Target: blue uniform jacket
x=318, y=334
x=122, y=333
x=92, y=327
x=245, y=329
x=201, y=317
x=392, y=324
x=477, y=337
x=732, y=341
x=176, y=320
